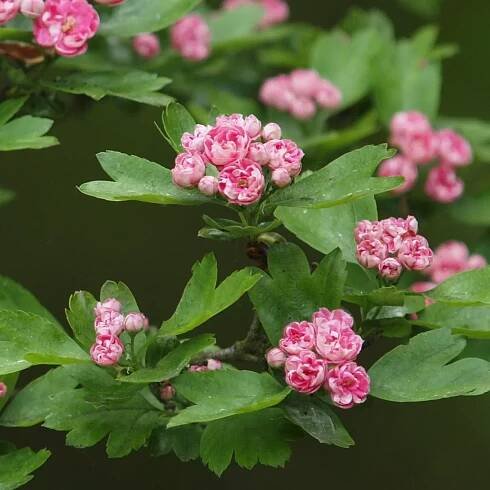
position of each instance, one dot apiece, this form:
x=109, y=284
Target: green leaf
x=347, y=179
x=473, y=210
x=27, y=339
x=183, y=441
x=423, y=371
x=132, y=18
x=425, y=8
x=220, y=394
x=386, y=296
x=225, y=229
x=6, y=196
x=26, y=132
x=292, y=292
x=121, y=292
x=317, y=419
x=10, y=381
x=177, y=121
x=80, y=316
x=202, y=300
x=327, y=229
x=17, y=465
x=10, y=108
x=260, y=437
x=138, y=86
x=172, y=364
x=466, y=288
x=137, y=179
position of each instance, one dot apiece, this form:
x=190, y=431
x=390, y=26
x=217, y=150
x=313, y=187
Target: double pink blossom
x=32, y=8
x=241, y=183
x=226, y=143
x=443, y=185
x=275, y=11
x=390, y=269
x=109, y=322
x=305, y=372
x=297, y=336
x=194, y=142
x=348, y=385
x=191, y=37
x=400, y=166
x=406, y=124
x=8, y=10
x=452, y=149
x=285, y=154
x=107, y=350
x=337, y=344
x=146, y=45
x=370, y=253
x=66, y=26
x=415, y=253
x=189, y=170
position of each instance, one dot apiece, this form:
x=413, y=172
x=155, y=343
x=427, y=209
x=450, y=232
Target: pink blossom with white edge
x=415, y=253
x=135, y=322
x=443, y=185
x=8, y=10
x=191, y=37
x=285, y=154
x=405, y=124
x=3, y=390
x=370, y=253
x=304, y=372
x=194, y=142
x=107, y=350
x=109, y=322
x=241, y=183
x=336, y=343
x=271, y=131
x=189, y=170
x=390, y=269
x=226, y=143
x=146, y=45
x=367, y=230
x=66, y=26
x=400, y=166
x=208, y=185
x=258, y=154
x=108, y=305
x=297, y=336
x=280, y=177
x=348, y=385
x=275, y=357
x=325, y=316
x=32, y=8
x=453, y=149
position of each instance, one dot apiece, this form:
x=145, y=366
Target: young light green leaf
x=183, y=441
x=423, y=371
x=26, y=132
x=10, y=107
x=177, y=121
x=202, y=300
x=220, y=394
x=259, y=437
x=80, y=316
x=137, y=179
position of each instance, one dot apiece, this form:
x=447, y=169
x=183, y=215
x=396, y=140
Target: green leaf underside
x=259, y=437
x=221, y=394
x=423, y=370
x=17, y=465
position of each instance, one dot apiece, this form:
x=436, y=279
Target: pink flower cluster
x=3, y=389
x=146, y=45
x=391, y=245
x=420, y=144
x=321, y=354
x=243, y=153
x=109, y=324
x=211, y=365
x=299, y=93
x=191, y=37
x=275, y=11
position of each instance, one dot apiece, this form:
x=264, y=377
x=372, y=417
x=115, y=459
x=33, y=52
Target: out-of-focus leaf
x=473, y=210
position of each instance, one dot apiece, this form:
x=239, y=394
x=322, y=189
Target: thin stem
x=242, y=218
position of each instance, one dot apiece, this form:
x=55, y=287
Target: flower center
x=69, y=24
x=242, y=182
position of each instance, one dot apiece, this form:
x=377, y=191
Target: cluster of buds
x=109, y=324
x=3, y=390
x=321, y=354
x=420, y=144
x=191, y=38
x=300, y=93
x=242, y=154
x=275, y=11
x=391, y=245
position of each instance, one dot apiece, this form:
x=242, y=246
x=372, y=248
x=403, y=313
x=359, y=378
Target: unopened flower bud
x=135, y=322
x=32, y=8
x=271, y=131
x=275, y=358
x=280, y=177
x=208, y=185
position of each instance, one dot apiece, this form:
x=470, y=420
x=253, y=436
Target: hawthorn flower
x=226, y=143
x=400, y=166
x=208, y=185
x=109, y=322
x=415, y=253
x=336, y=343
x=189, y=170
x=297, y=336
x=370, y=253
x=191, y=37
x=405, y=124
x=8, y=10
x=305, y=372
x=135, y=322
x=108, y=305
x=146, y=45
x=32, y=8
x=107, y=350
x=285, y=154
x=390, y=269
x=443, y=185
x=275, y=357
x=271, y=131
x=241, y=183
x=452, y=149
x=348, y=385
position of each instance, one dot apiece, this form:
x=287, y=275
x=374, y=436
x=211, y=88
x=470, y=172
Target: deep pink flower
x=146, y=45
x=443, y=185
x=348, y=384
x=251, y=124
x=390, y=269
x=8, y=10
x=107, y=350
x=258, y=154
x=453, y=149
x=194, y=142
x=191, y=37
x=328, y=95
x=109, y=322
x=337, y=343
x=208, y=185
x=280, y=177
x=3, y=390
x=285, y=154
x=32, y=8
x=405, y=124
x=135, y=322
x=189, y=170
x=110, y=304
x=400, y=166
x=226, y=143
x=297, y=336
x=370, y=253
x=415, y=253
x=167, y=392
x=66, y=26
x=275, y=357
x=271, y=131
x=419, y=147
x=305, y=373
x=324, y=316
x=241, y=183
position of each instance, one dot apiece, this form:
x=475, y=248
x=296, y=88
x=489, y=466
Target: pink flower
x=214, y=365
x=476, y=262
x=443, y=185
x=271, y=131
x=167, y=392
x=280, y=177
x=285, y=154
x=324, y=316
x=194, y=142
x=390, y=269
x=336, y=343
x=422, y=287
x=367, y=230
x=135, y=322
x=370, y=253
x=109, y=322
x=108, y=305
x=297, y=336
x=146, y=45
x=110, y=3
x=32, y=8
x=453, y=149
x=277, y=92
x=400, y=166
x=251, y=124
x=305, y=373
x=305, y=83
x=66, y=26
x=348, y=384
x=258, y=154
x=191, y=37
x=415, y=253
x=226, y=143
x=8, y=10
x=302, y=108
x=328, y=95
x=419, y=147
x=3, y=390
x=107, y=350
x=395, y=230
x=405, y=124
x=189, y=170
x=275, y=358
x=241, y=183
x=208, y=185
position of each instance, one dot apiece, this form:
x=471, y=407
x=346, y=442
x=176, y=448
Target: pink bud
x=275, y=358
x=253, y=126
x=8, y=10
x=258, y=154
x=302, y=108
x=443, y=185
x=32, y=8
x=390, y=269
x=167, y=392
x=107, y=350
x=135, y=322
x=146, y=45
x=476, y=262
x=3, y=389
x=110, y=304
x=280, y=177
x=272, y=131
x=189, y=170
x=214, y=365
x=208, y=185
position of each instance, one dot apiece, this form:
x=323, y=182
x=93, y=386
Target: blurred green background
x=55, y=241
